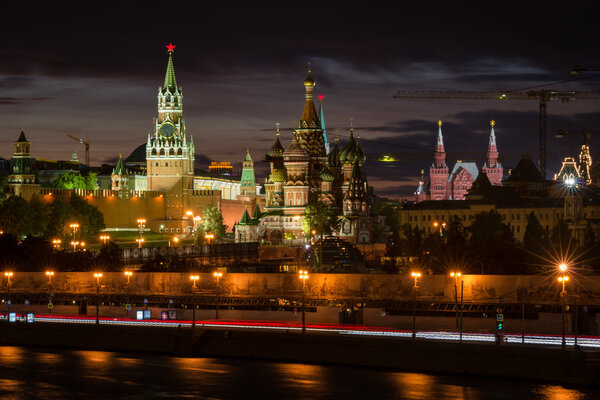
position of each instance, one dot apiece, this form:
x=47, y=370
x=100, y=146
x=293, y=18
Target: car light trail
x=357, y=330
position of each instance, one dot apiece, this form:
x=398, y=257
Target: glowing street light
x=128, y=274
x=56, y=243
x=141, y=222
x=139, y=242
x=303, y=275
x=217, y=275
x=49, y=274
x=416, y=276
x=209, y=236
x=440, y=227
x=74, y=243
x=74, y=226
x=8, y=275
x=97, y=275
x=563, y=279
x=194, y=278
x=457, y=275
x=104, y=238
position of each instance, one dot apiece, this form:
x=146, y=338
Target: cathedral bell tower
x=169, y=153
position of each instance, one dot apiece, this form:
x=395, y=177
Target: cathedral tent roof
x=309, y=114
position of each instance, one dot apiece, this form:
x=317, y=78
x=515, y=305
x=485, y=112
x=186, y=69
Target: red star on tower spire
x=170, y=48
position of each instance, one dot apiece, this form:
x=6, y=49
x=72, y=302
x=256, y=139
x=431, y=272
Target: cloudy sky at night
x=94, y=71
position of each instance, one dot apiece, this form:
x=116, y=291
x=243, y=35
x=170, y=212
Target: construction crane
x=87, y=148
x=543, y=96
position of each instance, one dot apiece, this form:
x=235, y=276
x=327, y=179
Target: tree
x=74, y=180
x=211, y=221
x=40, y=216
x=15, y=217
x=320, y=218
x=560, y=237
x=534, y=242
x=492, y=245
x=91, y=221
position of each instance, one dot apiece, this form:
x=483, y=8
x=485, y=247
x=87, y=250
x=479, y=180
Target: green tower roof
x=257, y=214
x=170, y=82
x=245, y=218
x=22, y=138
x=118, y=170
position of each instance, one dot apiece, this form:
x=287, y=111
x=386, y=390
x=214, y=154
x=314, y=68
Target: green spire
x=245, y=218
x=170, y=82
x=22, y=138
x=257, y=214
x=248, y=158
x=119, y=167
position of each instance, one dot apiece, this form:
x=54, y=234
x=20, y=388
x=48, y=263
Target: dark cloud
x=21, y=100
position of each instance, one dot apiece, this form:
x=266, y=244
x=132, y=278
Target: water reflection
x=42, y=373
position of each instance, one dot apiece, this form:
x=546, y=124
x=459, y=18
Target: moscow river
x=35, y=373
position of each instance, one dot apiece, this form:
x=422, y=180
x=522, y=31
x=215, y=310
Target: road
x=587, y=342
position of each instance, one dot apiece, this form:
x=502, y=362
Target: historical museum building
x=444, y=184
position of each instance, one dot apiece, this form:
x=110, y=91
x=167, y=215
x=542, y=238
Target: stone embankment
x=537, y=363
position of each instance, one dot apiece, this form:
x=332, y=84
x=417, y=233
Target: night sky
x=67, y=68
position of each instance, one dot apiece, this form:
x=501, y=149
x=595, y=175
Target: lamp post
x=217, y=275
x=74, y=243
x=97, y=275
x=456, y=275
x=128, y=306
x=141, y=223
x=440, y=227
x=104, y=238
x=49, y=274
x=56, y=243
x=8, y=275
x=74, y=226
x=194, y=278
x=416, y=276
x=303, y=275
x=209, y=236
x=563, y=279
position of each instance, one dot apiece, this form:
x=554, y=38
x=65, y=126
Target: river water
x=35, y=373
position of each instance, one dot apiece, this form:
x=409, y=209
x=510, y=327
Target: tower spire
x=170, y=82
x=322, y=121
x=492, y=153
x=440, y=152
x=309, y=114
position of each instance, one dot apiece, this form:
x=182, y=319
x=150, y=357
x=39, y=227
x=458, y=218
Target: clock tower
x=169, y=153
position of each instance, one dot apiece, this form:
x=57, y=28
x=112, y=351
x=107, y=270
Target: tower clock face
x=167, y=130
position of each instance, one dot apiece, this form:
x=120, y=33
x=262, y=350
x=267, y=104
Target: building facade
x=444, y=184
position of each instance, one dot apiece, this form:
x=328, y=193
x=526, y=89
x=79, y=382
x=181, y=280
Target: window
x=167, y=164
x=157, y=163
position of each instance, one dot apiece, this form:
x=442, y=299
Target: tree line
x=488, y=246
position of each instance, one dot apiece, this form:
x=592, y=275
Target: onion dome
x=278, y=175
x=348, y=153
x=309, y=81
x=333, y=158
x=326, y=175
x=295, y=153
x=277, y=149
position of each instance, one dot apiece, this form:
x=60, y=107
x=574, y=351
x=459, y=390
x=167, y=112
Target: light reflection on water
x=27, y=373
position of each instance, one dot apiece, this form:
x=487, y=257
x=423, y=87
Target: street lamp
x=303, y=275
x=194, y=278
x=56, y=243
x=128, y=274
x=563, y=279
x=49, y=274
x=97, y=275
x=456, y=275
x=440, y=227
x=139, y=242
x=141, y=225
x=217, y=275
x=74, y=244
x=209, y=236
x=75, y=227
x=104, y=238
x=416, y=276
x=8, y=275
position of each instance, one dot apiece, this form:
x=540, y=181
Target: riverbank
x=538, y=363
